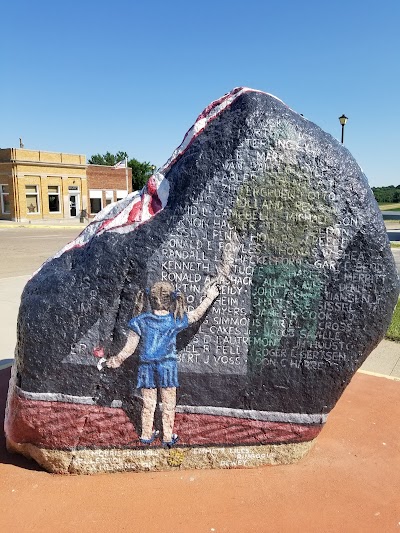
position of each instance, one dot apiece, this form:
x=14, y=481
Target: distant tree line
x=387, y=195
x=141, y=172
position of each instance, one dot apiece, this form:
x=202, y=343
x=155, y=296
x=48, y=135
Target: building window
x=95, y=205
x=5, y=199
x=32, y=199
x=96, y=201
x=121, y=194
x=109, y=197
x=54, y=198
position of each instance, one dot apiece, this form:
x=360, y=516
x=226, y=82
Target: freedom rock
x=214, y=318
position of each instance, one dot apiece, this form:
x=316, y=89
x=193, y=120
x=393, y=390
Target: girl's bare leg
x=149, y=406
x=168, y=397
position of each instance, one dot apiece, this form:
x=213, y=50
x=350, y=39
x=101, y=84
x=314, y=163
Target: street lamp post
x=343, y=119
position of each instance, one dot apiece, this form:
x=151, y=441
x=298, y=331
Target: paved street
x=394, y=235
x=26, y=250
x=391, y=215
x=396, y=255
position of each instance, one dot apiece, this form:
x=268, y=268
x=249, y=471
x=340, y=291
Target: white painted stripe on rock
x=262, y=416
x=54, y=397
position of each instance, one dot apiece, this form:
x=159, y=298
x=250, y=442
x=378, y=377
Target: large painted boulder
x=214, y=318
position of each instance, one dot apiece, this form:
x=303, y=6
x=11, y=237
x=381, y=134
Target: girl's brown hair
x=162, y=297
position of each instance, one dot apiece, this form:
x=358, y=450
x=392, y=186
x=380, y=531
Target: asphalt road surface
x=394, y=235
x=396, y=255
x=24, y=250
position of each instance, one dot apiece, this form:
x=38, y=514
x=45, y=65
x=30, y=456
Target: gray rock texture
x=275, y=211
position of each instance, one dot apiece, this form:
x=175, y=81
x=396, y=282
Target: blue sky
x=87, y=77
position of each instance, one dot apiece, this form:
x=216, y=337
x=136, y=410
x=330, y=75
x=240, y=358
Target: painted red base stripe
x=65, y=426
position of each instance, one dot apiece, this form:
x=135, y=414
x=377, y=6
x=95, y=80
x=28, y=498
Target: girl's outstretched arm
x=196, y=314
x=130, y=346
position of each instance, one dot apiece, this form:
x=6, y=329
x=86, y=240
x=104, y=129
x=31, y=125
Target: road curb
x=377, y=375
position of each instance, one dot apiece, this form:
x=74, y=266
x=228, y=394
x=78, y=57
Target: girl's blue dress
x=157, y=349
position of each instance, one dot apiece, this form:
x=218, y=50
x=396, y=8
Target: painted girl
x=156, y=333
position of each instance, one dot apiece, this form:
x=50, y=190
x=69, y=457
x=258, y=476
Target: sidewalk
x=384, y=360
x=348, y=483
x=49, y=223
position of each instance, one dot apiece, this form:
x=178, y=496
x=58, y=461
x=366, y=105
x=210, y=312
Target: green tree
x=107, y=159
x=140, y=171
x=389, y=194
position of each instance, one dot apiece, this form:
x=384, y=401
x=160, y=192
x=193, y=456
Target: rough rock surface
x=260, y=201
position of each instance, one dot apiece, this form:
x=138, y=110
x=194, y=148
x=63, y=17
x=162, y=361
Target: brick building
x=107, y=185
x=37, y=185
x=41, y=185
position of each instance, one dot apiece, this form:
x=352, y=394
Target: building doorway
x=74, y=202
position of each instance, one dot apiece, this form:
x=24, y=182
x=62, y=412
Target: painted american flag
x=138, y=207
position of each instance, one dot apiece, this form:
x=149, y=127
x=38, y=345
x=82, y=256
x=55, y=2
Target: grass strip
x=393, y=333
x=389, y=206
